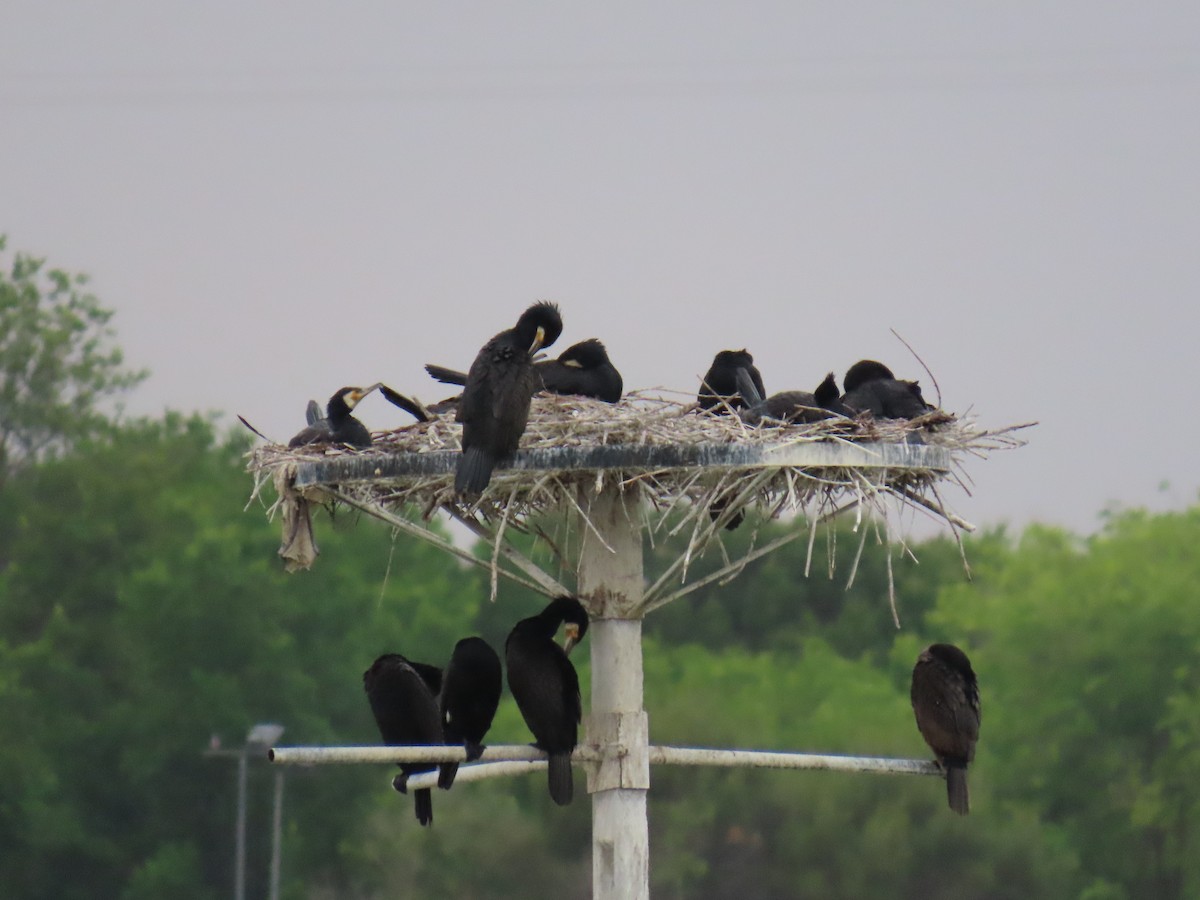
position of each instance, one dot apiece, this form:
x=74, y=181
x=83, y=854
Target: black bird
x=494, y=408
x=871, y=387
x=945, y=700
x=719, y=389
x=583, y=369
x=471, y=688
x=788, y=406
x=863, y=371
x=338, y=426
x=546, y=686
x=403, y=701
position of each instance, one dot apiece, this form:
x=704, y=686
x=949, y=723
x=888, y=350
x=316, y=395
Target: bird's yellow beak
x=572, y=632
x=353, y=398
x=538, y=339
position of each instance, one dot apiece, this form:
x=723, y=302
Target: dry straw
x=691, y=500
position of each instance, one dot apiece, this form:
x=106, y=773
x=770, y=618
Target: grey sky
x=282, y=198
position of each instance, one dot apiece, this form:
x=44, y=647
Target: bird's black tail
x=446, y=773
x=474, y=471
x=424, y=804
x=956, y=787
x=562, y=785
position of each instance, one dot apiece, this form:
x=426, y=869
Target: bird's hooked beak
x=572, y=632
x=539, y=338
x=353, y=398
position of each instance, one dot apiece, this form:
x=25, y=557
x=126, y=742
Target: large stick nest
x=702, y=498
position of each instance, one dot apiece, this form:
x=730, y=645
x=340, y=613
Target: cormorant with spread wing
x=546, y=686
x=338, y=426
x=945, y=701
x=495, y=402
x=403, y=698
x=471, y=688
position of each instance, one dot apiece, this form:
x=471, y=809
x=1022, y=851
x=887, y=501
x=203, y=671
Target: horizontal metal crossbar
x=803, y=454
x=519, y=758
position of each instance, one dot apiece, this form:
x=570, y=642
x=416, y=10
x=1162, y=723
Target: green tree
x=142, y=611
x=57, y=361
x=1088, y=654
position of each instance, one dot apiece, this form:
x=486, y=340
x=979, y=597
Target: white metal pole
x=610, y=586
x=239, y=863
x=276, y=837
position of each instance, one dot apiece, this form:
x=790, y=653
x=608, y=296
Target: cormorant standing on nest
x=719, y=389
x=471, y=688
x=871, y=387
x=788, y=406
x=338, y=427
x=403, y=701
x=494, y=408
x=546, y=686
x=583, y=369
x=945, y=700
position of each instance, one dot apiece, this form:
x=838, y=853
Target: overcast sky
x=283, y=198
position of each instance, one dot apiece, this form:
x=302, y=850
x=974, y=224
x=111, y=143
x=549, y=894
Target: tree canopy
x=58, y=361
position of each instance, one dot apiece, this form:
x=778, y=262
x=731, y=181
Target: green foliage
x=1089, y=654
x=57, y=361
x=142, y=611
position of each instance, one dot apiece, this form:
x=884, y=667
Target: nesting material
x=677, y=497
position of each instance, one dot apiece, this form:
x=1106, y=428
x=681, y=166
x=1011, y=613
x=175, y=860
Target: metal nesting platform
x=372, y=466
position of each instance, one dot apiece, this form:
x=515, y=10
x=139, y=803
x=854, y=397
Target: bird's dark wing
x=410, y=406
x=546, y=688
x=317, y=433
x=312, y=412
x=446, y=376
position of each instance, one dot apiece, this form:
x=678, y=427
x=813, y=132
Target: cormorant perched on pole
x=338, y=427
x=494, y=408
x=403, y=701
x=471, y=688
x=718, y=388
x=583, y=369
x=546, y=686
x=871, y=387
x=945, y=700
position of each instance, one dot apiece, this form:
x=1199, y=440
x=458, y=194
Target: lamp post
x=259, y=740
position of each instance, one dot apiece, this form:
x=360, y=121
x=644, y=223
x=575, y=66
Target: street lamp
x=259, y=740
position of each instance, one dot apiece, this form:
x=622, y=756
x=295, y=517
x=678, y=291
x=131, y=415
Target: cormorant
x=338, y=426
x=945, y=700
x=494, y=408
x=718, y=388
x=583, y=369
x=788, y=406
x=863, y=371
x=871, y=387
x=546, y=686
x=403, y=701
x=471, y=688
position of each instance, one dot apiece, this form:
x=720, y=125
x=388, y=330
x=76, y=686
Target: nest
x=699, y=489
